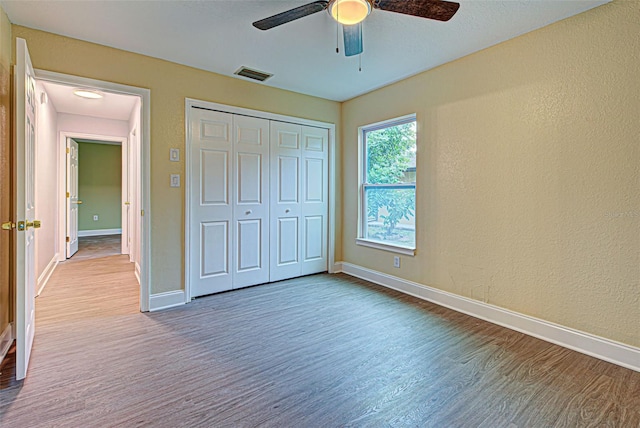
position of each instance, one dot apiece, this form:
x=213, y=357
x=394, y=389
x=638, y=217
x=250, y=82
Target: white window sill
x=386, y=247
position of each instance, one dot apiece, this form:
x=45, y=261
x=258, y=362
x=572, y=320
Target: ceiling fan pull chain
x=337, y=29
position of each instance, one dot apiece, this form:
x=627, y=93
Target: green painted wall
x=99, y=186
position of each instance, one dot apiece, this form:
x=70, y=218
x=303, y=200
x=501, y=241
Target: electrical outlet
x=396, y=261
x=175, y=180
x=95, y=217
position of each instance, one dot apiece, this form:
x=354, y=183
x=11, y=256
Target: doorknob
x=248, y=212
x=8, y=225
x=78, y=202
x=287, y=210
x=25, y=225
x=126, y=203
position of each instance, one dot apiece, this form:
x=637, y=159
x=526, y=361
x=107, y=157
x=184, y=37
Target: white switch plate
x=95, y=217
x=396, y=261
x=174, y=155
x=175, y=180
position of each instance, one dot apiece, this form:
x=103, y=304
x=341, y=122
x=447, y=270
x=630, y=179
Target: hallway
x=96, y=284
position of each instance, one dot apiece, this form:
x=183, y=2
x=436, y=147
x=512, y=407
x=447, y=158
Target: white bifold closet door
x=299, y=193
x=229, y=231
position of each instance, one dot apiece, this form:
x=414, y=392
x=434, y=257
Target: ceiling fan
x=351, y=13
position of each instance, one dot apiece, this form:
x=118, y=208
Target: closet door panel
x=251, y=202
x=286, y=180
x=315, y=194
x=211, y=209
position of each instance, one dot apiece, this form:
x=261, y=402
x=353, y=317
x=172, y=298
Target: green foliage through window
x=389, y=186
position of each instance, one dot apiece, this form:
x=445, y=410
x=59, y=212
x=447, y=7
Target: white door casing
x=72, y=197
x=251, y=201
x=25, y=206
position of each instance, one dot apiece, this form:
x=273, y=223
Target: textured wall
x=528, y=173
x=5, y=168
x=99, y=186
x=169, y=84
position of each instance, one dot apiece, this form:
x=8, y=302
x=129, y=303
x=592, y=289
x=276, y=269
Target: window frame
x=363, y=186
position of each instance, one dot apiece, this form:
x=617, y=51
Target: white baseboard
x=46, y=274
x=6, y=339
x=99, y=232
x=595, y=346
x=166, y=300
x=337, y=267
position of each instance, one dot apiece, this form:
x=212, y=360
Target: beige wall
x=528, y=173
x=169, y=84
x=5, y=169
x=528, y=164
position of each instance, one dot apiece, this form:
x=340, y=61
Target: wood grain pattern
x=93, y=247
x=317, y=351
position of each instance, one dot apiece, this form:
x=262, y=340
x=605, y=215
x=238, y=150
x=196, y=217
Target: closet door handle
x=247, y=212
x=287, y=210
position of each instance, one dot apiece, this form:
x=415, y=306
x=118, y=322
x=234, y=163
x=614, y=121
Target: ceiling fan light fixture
x=87, y=93
x=349, y=12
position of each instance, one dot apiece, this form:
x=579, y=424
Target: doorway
x=98, y=199
x=119, y=119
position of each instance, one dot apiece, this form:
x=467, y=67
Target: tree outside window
x=389, y=187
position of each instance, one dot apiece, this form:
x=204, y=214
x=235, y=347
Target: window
x=388, y=185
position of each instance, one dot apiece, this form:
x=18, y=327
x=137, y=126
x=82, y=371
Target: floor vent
x=253, y=74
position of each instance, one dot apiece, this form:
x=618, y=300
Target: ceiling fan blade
x=352, y=39
x=291, y=15
x=432, y=9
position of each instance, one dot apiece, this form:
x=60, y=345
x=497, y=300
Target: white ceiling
x=111, y=106
x=217, y=35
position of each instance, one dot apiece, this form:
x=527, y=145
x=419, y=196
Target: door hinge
x=8, y=225
x=67, y=239
x=142, y=213
x=67, y=194
x=67, y=149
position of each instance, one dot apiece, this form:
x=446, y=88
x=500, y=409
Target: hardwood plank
x=323, y=350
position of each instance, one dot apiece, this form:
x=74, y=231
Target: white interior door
x=210, y=201
x=299, y=200
x=315, y=196
x=286, y=209
x=251, y=201
x=72, y=197
x=25, y=206
x=134, y=198
x=125, y=200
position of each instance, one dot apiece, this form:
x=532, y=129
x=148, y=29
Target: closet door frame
x=189, y=103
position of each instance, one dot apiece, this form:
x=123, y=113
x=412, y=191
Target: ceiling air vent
x=253, y=74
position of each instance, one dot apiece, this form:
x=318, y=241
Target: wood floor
x=93, y=247
x=318, y=351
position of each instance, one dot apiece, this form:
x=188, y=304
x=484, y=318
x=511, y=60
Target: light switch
x=175, y=180
x=174, y=155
